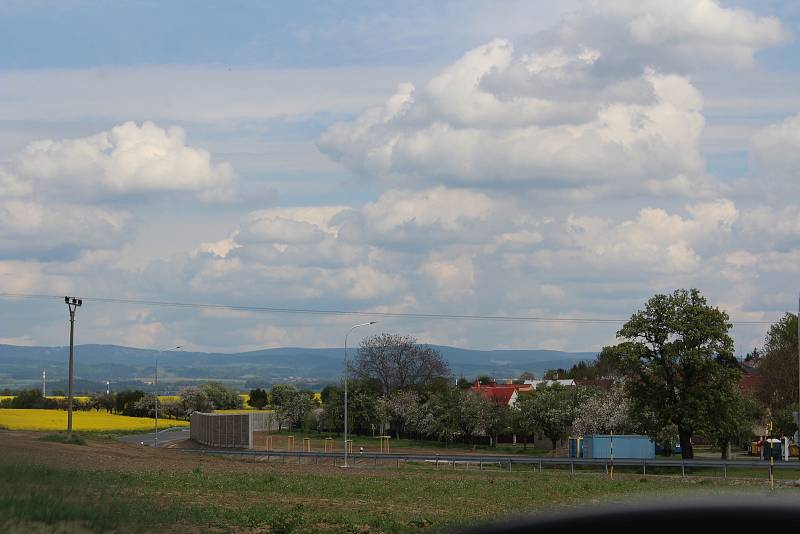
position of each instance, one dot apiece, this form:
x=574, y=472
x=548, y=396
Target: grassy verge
x=116, y=434
x=109, y=435
x=75, y=439
x=303, y=500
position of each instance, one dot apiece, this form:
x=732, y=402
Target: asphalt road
x=166, y=438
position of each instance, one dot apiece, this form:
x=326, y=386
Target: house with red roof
x=505, y=394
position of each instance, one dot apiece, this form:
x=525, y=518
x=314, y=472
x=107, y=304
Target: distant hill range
x=130, y=367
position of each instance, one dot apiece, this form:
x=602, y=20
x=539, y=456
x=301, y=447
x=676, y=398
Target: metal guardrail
x=507, y=462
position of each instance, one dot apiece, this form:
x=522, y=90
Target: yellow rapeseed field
x=86, y=421
x=54, y=397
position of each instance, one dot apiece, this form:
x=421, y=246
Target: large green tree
x=193, y=399
x=496, y=419
x=550, y=410
x=294, y=410
x=523, y=422
x=258, y=398
x=735, y=416
x=680, y=361
x=126, y=400
x=399, y=409
x=221, y=396
x=361, y=407
x=778, y=365
x=280, y=394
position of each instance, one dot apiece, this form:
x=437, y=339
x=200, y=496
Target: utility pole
x=73, y=304
x=346, y=372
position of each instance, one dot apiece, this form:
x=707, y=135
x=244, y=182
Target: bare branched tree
x=397, y=363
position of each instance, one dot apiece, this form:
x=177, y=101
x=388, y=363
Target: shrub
x=31, y=398
x=146, y=406
x=222, y=397
x=126, y=400
x=173, y=410
x=259, y=398
x=100, y=401
x=194, y=400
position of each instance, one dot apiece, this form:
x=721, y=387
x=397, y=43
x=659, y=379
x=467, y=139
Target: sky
x=511, y=158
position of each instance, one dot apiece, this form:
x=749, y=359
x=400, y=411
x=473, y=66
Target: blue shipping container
x=625, y=446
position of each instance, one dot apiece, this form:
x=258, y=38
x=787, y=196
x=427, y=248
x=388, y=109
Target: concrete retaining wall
x=229, y=430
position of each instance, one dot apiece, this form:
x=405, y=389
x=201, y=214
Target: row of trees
x=204, y=398
x=33, y=399
x=294, y=408
x=777, y=365
x=692, y=378
x=136, y=403
x=452, y=414
x=674, y=369
x=675, y=366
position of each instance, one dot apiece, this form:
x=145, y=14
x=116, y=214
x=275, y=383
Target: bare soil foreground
x=106, y=486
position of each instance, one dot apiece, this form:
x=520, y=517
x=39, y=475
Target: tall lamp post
x=73, y=304
x=155, y=383
x=346, y=368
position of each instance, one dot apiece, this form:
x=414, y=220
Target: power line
x=316, y=311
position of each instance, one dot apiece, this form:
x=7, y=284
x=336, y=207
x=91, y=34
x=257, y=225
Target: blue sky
x=277, y=34
x=495, y=158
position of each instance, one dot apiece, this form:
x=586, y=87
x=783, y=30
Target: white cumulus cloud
x=61, y=197
x=776, y=150
x=656, y=239
x=129, y=158
x=673, y=34
x=458, y=131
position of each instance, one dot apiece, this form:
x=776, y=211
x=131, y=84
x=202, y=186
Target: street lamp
x=73, y=304
x=345, y=385
x=155, y=384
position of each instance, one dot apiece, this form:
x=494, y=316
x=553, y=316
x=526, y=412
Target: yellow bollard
x=328, y=444
x=771, y=472
x=268, y=444
x=306, y=444
x=612, y=455
x=289, y=443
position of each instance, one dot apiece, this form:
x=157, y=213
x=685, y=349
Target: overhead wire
x=320, y=311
